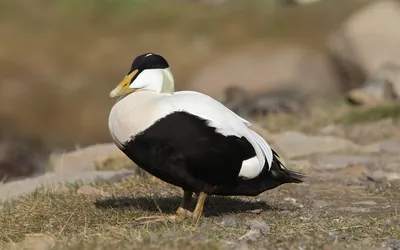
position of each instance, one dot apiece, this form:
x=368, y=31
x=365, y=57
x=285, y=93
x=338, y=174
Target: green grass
x=370, y=114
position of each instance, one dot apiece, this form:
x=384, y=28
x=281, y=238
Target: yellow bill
x=123, y=86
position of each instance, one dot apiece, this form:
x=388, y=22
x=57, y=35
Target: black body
x=183, y=150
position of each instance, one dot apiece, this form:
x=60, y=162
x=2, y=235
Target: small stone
x=89, y=190
x=334, y=234
x=228, y=221
x=393, y=243
x=393, y=220
x=293, y=201
x=370, y=202
x=320, y=203
x=259, y=225
x=258, y=229
x=256, y=211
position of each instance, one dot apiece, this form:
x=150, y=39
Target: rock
x=392, y=243
x=392, y=220
x=258, y=229
x=228, y=221
x=390, y=176
x=279, y=68
x=292, y=144
x=333, y=162
x=390, y=146
x=381, y=86
x=369, y=202
x=293, y=201
x=256, y=211
x=259, y=225
x=52, y=181
x=333, y=234
x=89, y=190
x=273, y=102
x=250, y=236
x=366, y=41
x=85, y=159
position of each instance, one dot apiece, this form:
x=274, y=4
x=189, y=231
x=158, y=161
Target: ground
x=350, y=201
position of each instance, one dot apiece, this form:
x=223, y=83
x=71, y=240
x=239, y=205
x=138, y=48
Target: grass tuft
x=370, y=114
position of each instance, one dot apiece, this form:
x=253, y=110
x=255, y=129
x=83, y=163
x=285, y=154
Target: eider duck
x=189, y=139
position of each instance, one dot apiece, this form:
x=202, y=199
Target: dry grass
x=74, y=220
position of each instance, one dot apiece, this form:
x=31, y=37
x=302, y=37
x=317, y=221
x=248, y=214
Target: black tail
x=296, y=177
x=281, y=173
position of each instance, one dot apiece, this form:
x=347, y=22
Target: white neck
x=156, y=80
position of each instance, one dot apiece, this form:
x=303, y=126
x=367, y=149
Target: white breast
x=132, y=114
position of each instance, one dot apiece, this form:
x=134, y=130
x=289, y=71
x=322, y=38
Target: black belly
x=183, y=150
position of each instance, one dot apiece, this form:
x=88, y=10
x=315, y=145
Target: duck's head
x=148, y=72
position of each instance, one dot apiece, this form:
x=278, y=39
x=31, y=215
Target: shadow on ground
x=215, y=206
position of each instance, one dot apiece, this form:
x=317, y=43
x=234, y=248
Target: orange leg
x=198, y=211
x=181, y=213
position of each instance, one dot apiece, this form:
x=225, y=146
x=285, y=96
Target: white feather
x=223, y=119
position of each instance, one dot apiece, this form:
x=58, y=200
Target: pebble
x=228, y=221
x=333, y=234
x=256, y=211
x=259, y=225
x=293, y=201
x=393, y=220
x=258, y=229
x=393, y=243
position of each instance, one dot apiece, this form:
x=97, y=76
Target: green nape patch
x=369, y=114
x=69, y=219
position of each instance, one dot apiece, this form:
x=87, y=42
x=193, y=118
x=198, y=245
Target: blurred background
x=59, y=59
